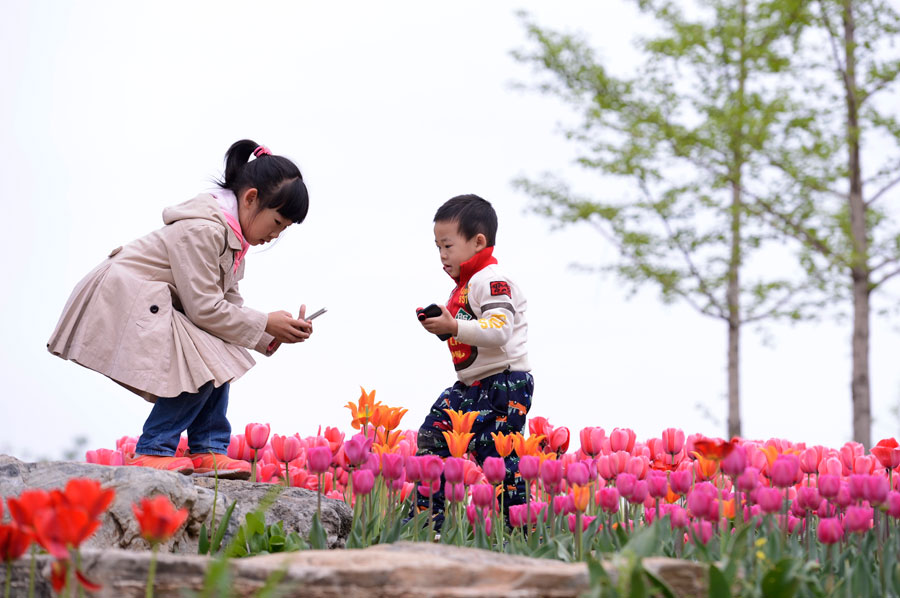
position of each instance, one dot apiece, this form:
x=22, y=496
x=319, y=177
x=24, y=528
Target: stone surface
x=399, y=570
x=294, y=506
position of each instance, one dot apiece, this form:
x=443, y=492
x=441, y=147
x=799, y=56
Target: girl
x=162, y=316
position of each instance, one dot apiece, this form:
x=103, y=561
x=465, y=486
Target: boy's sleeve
x=494, y=300
x=194, y=259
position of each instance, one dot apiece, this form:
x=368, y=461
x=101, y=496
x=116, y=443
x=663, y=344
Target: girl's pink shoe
x=177, y=464
x=225, y=467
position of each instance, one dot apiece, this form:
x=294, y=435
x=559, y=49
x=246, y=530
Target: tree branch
x=882, y=191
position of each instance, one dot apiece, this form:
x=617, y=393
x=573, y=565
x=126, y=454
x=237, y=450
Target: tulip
x=529, y=467
x=809, y=461
x=455, y=492
x=563, y=504
x=429, y=488
x=494, y=469
x=483, y=495
x=830, y=530
x=577, y=474
x=784, y=470
x=454, y=471
x=357, y=448
x=105, y=456
x=363, y=481
x=585, y=522
x=843, y=498
x=335, y=439
x=591, y=440
x=318, y=459
x=158, y=518
x=239, y=449
x=458, y=442
x=559, y=440
x=748, y=480
x=848, y=453
x=702, y=500
x=461, y=421
x=551, y=472
x=413, y=466
x=286, y=449
x=808, y=498
x=875, y=489
x=828, y=485
x=769, y=499
x=581, y=497
x=609, y=500
x=831, y=466
x=657, y=485
x=518, y=515
x=621, y=439
x=701, y=530
x=638, y=466
x=865, y=464
x=640, y=492
x=672, y=440
x=680, y=482
x=256, y=435
x=539, y=426
x=503, y=443
x=893, y=504
x=432, y=467
x=625, y=483
x=858, y=519
x=857, y=486
x=473, y=515
x=887, y=451
x=735, y=462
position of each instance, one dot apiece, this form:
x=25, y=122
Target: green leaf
x=203, y=547
x=318, y=538
x=780, y=581
x=223, y=525
x=644, y=542
x=718, y=586
x=661, y=586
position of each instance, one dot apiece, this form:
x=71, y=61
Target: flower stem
x=253, y=467
x=151, y=573
x=287, y=475
x=31, y=571
x=8, y=576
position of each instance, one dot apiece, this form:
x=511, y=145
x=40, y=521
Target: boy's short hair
x=473, y=214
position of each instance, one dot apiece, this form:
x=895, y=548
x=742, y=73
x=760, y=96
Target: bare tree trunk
x=859, y=384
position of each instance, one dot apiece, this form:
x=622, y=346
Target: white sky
x=111, y=111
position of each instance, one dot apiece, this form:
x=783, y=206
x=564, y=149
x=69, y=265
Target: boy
x=485, y=318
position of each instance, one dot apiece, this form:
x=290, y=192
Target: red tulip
x=887, y=451
x=559, y=440
x=26, y=506
x=539, y=426
x=256, y=435
x=14, y=541
x=158, y=518
x=63, y=527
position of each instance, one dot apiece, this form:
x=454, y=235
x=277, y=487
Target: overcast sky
x=111, y=111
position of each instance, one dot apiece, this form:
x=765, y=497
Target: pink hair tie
x=262, y=151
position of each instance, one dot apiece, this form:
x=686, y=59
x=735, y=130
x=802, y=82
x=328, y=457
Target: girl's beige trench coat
x=162, y=315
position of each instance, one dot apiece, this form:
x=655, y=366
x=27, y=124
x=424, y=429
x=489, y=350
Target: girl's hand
x=285, y=329
x=442, y=324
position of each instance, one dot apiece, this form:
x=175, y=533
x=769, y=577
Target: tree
x=851, y=241
x=690, y=135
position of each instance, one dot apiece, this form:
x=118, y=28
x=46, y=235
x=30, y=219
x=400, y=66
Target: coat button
x=154, y=309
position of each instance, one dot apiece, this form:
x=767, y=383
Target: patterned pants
x=502, y=402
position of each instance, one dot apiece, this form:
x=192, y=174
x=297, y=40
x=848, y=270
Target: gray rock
x=399, y=570
x=119, y=529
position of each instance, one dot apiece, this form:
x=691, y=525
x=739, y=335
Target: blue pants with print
x=201, y=413
x=502, y=402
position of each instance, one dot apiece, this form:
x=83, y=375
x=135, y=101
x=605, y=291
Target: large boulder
x=294, y=506
x=386, y=571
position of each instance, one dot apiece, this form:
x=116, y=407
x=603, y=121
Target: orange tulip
x=363, y=410
x=524, y=447
x=705, y=468
x=581, y=496
x=462, y=421
x=728, y=508
x=386, y=441
x=713, y=448
x=503, y=443
x=770, y=452
x=158, y=518
x=458, y=442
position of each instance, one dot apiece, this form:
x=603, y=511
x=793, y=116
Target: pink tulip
x=640, y=493
x=702, y=500
x=679, y=517
x=830, y=530
x=239, y=449
x=563, y=504
x=831, y=466
x=559, y=440
x=857, y=486
x=472, y=474
x=680, y=482
x=849, y=452
x=473, y=515
x=808, y=498
x=318, y=459
x=769, y=499
x=843, y=498
x=105, y=456
x=335, y=439
x=413, y=468
x=455, y=492
x=586, y=521
x=638, y=466
x=735, y=462
x=432, y=467
x=429, y=488
x=357, y=449
x=748, y=480
x=828, y=485
x=876, y=489
x=363, y=482
x=865, y=464
x=592, y=440
x=577, y=474
x=858, y=519
x=537, y=509
x=893, y=504
x=454, y=470
x=371, y=463
x=621, y=439
x=551, y=472
x=287, y=448
x=483, y=495
x=701, y=530
x=609, y=500
x=784, y=470
x=539, y=426
x=809, y=461
x=672, y=440
x=657, y=485
x=604, y=468
x=529, y=467
x=518, y=515
x=625, y=483
x=256, y=435
x=391, y=466
x=494, y=469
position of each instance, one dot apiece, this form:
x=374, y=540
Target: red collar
x=477, y=262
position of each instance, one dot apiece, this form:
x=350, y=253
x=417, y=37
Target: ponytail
x=277, y=180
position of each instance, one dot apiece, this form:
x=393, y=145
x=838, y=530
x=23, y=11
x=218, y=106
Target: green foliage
x=255, y=537
x=212, y=546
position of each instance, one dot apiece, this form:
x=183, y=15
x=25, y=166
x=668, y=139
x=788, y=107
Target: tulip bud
x=432, y=467
x=828, y=485
x=551, y=472
x=318, y=459
x=454, y=470
x=363, y=481
x=578, y=474
x=483, y=495
x=609, y=500
x=391, y=466
x=672, y=440
x=769, y=499
x=657, y=485
x=625, y=483
x=256, y=435
x=784, y=470
x=858, y=519
x=680, y=482
x=529, y=466
x=830, y=530
x=494, y=469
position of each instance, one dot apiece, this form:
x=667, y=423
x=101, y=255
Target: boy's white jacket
x=162, y=315
x=499, y=331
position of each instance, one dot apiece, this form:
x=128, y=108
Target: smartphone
x=316, y=315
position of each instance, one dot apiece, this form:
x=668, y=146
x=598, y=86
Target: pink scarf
x=228, y=203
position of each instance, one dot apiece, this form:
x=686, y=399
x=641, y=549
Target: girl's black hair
x=277, y=180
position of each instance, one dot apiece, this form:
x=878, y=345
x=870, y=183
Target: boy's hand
x=285, y=329
x=442, y=324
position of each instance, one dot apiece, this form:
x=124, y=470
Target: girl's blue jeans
x=201, y=413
